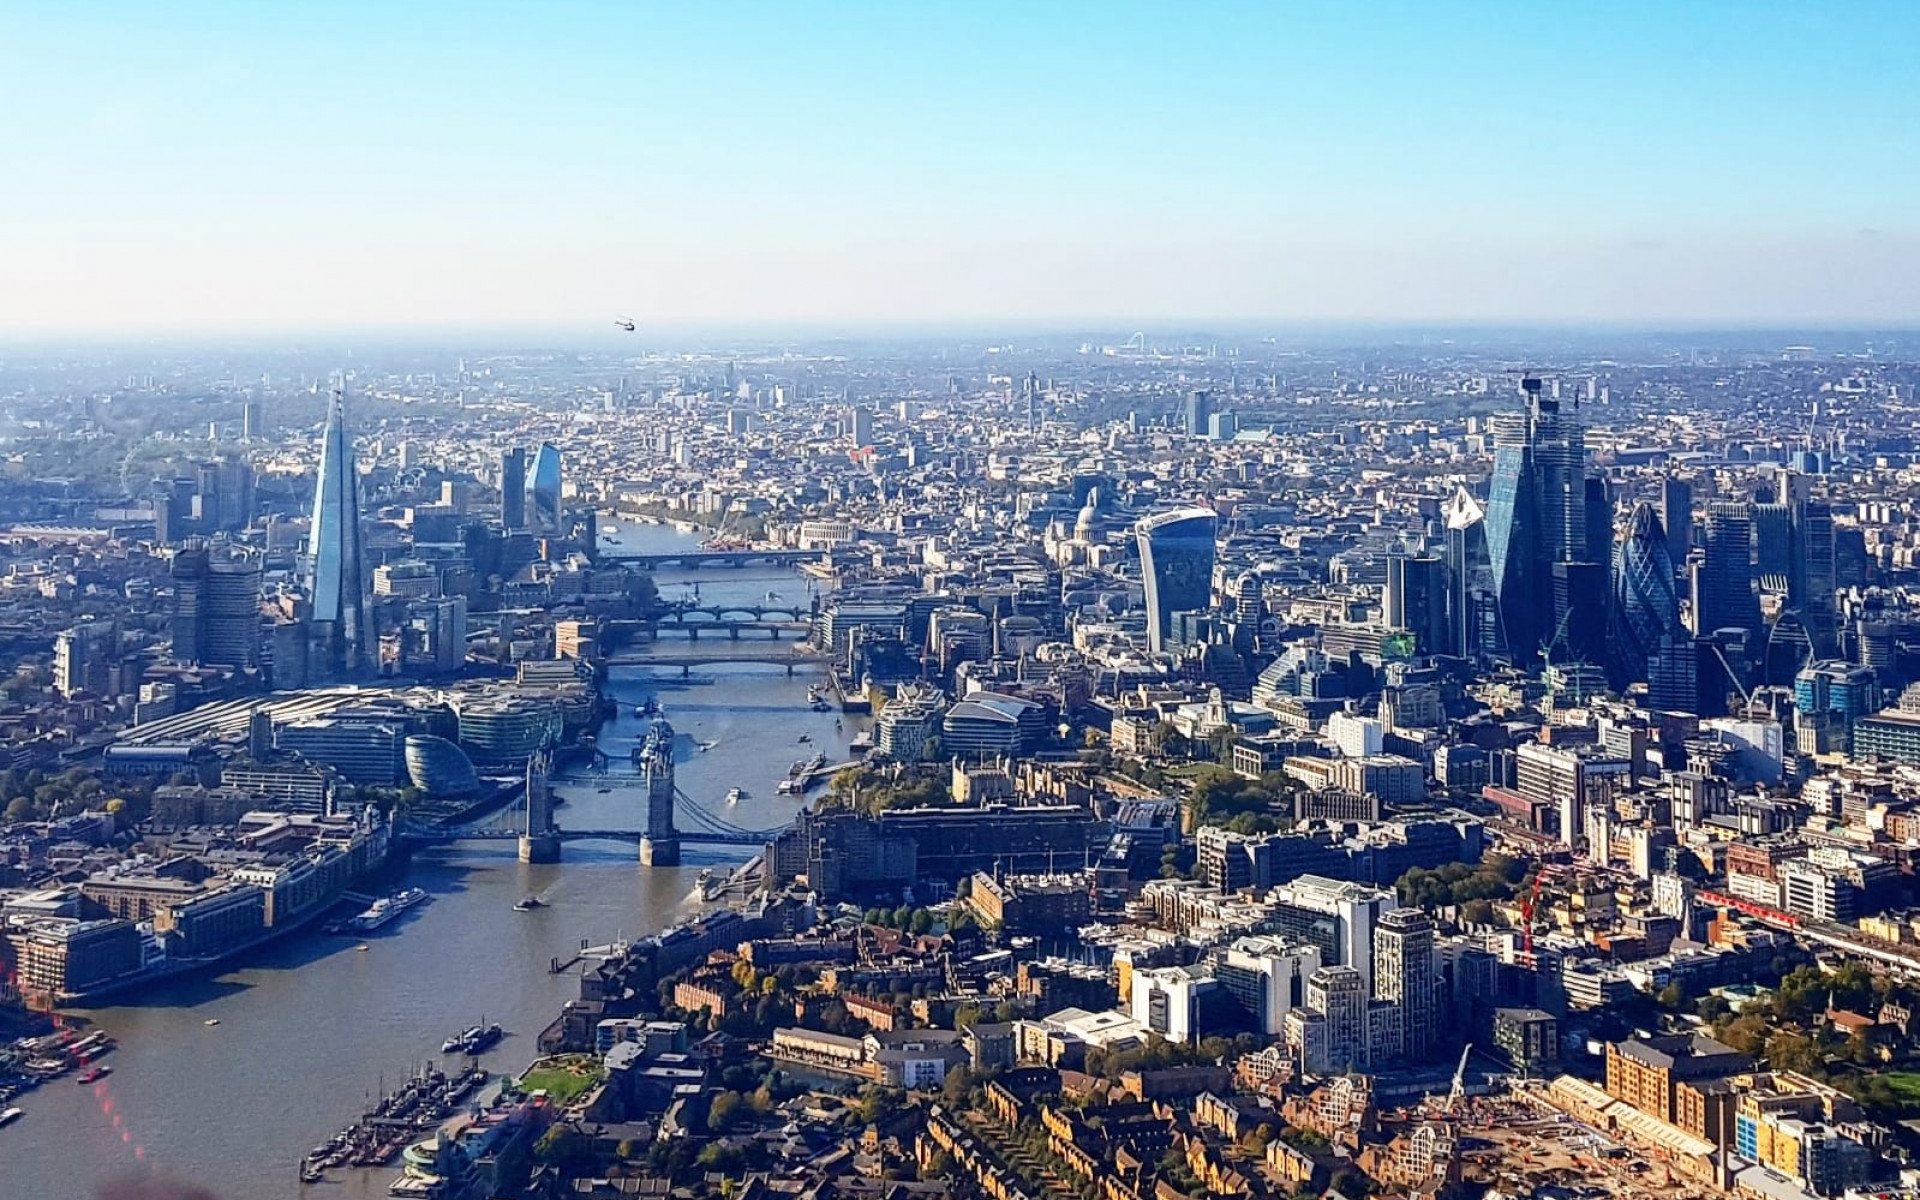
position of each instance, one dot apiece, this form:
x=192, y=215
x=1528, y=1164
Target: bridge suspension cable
x=700, y=815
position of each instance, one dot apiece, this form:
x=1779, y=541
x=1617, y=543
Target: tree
x=19, y=809
x=956, y=1086
x=722, y=1112
x=1790, y=1051
x=876, y=1104
x=562, y=1144
x=1713, y=1009
x=722, y=1157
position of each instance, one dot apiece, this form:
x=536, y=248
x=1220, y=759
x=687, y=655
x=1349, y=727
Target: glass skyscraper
x=513, y=489
x=336, y=577
x=1536, y=517
x=1646, y=606
x=544, y=489
x=1176, y=564
x=1723, y=595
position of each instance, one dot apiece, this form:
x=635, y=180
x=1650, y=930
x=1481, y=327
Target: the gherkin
x=1645, y=605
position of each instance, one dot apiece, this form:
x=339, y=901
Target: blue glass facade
x=336, y=574
x=543, y=490
x=1537, y=516
x=1646, y=605
x=1176, y=566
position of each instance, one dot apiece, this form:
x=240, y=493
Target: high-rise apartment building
x=1404, y=974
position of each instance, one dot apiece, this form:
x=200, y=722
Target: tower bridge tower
x=660, y=847
x=539, y=841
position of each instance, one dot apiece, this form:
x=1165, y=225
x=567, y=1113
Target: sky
x=246, y=167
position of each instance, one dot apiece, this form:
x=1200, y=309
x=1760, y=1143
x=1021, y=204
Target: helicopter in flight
x=625, y=323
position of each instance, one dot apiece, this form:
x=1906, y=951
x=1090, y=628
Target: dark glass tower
x=1415, y=599
x=1723, y=595
x=1646, y=608
x=1676, y=516
x=544, y=490
x=336, y=575
x=1176, y=566
x=513, y=489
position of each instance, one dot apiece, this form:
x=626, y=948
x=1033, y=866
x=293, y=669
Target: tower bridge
x=531, y=823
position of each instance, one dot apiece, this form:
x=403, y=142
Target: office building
x=367, y=752
x=1536, y=516
x=543, y=491
x=1473, y=620
x=1352, y=909
x=341, y=632
x=1267, y=978
x=513, y=488
x=985, y=725
x=1170, y=1001
x=1416, y=601
x=1176, y=567
x=1838, y=693
x=1723, y=583
x=1646, y=607
x=1198, y=414
x=1676, y=517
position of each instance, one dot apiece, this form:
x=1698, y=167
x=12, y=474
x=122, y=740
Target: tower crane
x=1459, y=1081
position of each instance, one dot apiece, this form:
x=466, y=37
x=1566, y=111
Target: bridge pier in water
x=539, y=841
x=660, y=846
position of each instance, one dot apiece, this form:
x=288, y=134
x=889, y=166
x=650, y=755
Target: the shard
x=336, y=566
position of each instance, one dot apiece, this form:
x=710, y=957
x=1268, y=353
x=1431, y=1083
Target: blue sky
x=211, y=166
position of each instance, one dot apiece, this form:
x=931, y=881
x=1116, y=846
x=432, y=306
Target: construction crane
x=1459, y=1081
x=1526, y=915
x=1559, y=638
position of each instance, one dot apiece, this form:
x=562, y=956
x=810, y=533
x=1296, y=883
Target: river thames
x=309, y=1030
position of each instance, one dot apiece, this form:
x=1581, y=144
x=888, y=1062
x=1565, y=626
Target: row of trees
x=43, y=796
x=1495, y=877
x=1217, y=796
x=873, y=791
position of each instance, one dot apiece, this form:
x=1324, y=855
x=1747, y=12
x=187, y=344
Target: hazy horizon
x=209, y=170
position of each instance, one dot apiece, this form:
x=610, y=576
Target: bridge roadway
x=686, y=662
x=509, y=833
x=694, y=559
